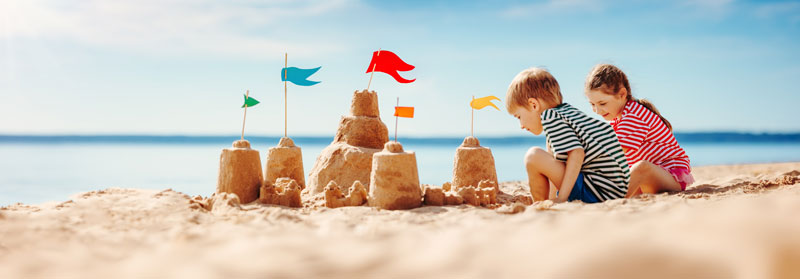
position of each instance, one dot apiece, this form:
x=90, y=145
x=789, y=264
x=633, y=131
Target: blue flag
x=299, y=76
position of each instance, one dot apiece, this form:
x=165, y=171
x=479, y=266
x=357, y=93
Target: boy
x=585, y=161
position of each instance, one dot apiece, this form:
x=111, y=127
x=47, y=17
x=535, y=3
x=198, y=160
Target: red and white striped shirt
x=645, y=137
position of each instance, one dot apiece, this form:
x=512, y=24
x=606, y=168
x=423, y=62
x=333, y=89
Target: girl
x=658, y=163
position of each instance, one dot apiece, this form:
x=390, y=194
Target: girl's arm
x=573, y=168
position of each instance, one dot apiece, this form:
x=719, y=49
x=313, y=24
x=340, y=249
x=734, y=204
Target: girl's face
x=606, y=105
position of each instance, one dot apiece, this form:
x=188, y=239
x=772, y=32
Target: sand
x=736, y=222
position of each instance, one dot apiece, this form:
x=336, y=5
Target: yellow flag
x=482, y=102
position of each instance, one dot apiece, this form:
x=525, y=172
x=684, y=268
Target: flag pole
x=245, y=111
x=472, y=118
x=373, y=71
x=396, y=116
x=285, y=101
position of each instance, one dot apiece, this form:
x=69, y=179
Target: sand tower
x=473, y=164
x=349, y=158
x=285, y=160
x=394, y=180
x=283, y=175
x=240, y=171
x=474, y=178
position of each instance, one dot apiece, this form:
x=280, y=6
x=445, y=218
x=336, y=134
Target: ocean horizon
x=682, y=137
x=42, y=168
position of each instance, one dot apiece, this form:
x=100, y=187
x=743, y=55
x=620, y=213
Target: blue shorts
x=581, y=193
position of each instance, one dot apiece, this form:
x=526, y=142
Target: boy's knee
x=532, y=154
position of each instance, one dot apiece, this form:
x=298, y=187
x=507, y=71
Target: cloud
x=241, y=28
x=789, y=9
x=554, y=7
x=709, y=4
x=704, y=8
x=716, y=9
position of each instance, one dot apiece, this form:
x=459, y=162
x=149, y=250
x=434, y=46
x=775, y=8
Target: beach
x=736, y=221
x=397, y=139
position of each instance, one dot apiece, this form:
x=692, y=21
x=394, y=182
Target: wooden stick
x=285, y=100
x=373, y=71
x=245, y=111
x=395, y=119
x=472, y=118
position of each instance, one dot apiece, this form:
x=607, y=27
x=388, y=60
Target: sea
x=43, y=168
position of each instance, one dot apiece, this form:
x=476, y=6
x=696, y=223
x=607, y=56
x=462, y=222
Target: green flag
x=249, y=101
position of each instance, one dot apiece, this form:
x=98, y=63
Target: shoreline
x=697, y=171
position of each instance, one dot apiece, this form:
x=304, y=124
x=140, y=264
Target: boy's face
x=606, y=105
x=530, y=116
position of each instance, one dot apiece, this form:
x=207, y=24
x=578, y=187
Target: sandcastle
x=283, y=175
x=474, y=178
x=483, y=194
x=473, y=164
x=240, y=171
x=285, y=160
x=335, y=198
x=285, y=191
x=349, y=157
x=394, y=180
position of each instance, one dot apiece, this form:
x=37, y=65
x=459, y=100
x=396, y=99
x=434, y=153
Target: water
x=40, y=169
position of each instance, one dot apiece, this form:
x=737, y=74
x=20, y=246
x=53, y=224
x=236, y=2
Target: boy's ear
x=534, y=104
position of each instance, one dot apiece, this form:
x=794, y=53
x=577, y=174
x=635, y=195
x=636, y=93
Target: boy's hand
x=559, y=198
x=573, y=168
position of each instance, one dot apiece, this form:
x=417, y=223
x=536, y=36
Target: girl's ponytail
x=648, y=105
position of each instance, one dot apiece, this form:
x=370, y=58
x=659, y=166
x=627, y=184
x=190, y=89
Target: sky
x=180, y=67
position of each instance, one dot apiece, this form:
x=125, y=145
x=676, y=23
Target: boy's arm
x=573, y=168
x=553, y=188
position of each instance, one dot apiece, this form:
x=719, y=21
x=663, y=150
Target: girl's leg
x=650, y=178
x=541, y=167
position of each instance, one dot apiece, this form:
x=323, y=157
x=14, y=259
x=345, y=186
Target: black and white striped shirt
x=605, y=169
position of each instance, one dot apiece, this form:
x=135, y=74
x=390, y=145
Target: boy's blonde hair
x=532, y=83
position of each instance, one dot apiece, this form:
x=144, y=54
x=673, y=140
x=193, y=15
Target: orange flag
x=407, y=112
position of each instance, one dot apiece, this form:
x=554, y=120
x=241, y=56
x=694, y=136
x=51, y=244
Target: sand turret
x=283, y=191
x=349, y=157
x=473, y=164
x=394, y=180
x=335, y=198
x=283, y=175
x=474, y=178
x=285, y=160
x=240, y=171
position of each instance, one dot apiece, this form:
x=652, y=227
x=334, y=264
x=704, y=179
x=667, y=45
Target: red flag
x=407, y=112
x=388, y=62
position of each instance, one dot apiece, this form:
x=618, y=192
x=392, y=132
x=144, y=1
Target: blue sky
x=181, y=66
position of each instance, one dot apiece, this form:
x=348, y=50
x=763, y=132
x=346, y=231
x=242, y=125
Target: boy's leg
x=650, y=178
x=541, y=167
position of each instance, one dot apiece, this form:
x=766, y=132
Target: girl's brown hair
x=609, y=79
